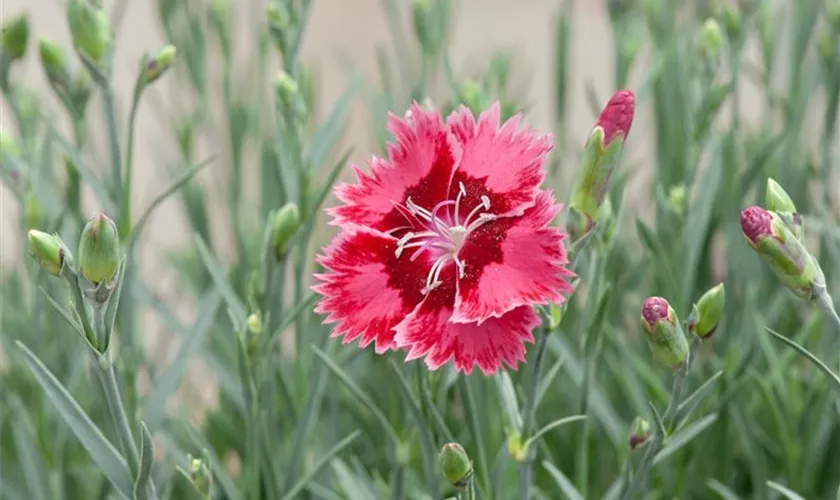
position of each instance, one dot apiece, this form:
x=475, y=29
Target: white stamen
x=442, y=233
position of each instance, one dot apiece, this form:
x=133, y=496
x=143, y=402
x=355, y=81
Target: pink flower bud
x=654, y=309
x=617, y=115
x=755, y=222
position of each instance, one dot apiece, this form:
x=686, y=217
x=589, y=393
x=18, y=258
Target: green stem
x=124, y=224
x=113, y=139
x=105, y=372
x=525, y=468
x=667, y=418
x=825, y=303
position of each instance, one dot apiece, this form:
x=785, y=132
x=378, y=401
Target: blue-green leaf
x=102, y=452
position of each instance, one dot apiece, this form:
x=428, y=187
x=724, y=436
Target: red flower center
x=445, y=229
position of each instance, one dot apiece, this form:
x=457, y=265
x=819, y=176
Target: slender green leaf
x=801, y=350
x=553, y=425
x=323, y=461
x=167, y=382
x=237, y=308
x=100, y=449
x=147, y=458
x=358, y=392
x=689, y=404
x=722, y=490
x=684, y=436
x=172, y=188
x=784, y=490
x=326, y=136
x=562, y=482
x=29, y=457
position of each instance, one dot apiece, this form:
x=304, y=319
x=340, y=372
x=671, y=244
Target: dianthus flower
x=446, y=245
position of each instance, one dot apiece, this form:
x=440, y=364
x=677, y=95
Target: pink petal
x=420, y=166
x=508, y=267
x=427, y=332
x=508, y=162
x=367, y=291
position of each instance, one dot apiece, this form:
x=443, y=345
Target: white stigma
x=444, y=232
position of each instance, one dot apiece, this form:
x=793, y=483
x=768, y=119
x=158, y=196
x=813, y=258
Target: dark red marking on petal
x=367, y=290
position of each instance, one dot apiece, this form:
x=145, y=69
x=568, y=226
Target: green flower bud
x=710, y=40
x=55, y=63
x=787, y=257
x=9, y=148
x=254, y=324
x=777, y=199
x=732, y=21
x=155, y=66
x=99, y=250
x=473, y=95
x=49, y=251
x=90, y=30
x=14, y=35
x=640, y=433
x=286, y=89
x=676, y=197
x=600, y=159
x=827, y=43
x=81, y=89
x=200, y=475
x=707, y=312
x=284, y=225
x=455, y=464
x=665, y=337
x=833, y=11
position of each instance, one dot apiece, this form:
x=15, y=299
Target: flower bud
x=55, y=63
x=676, y=197
x=730, y=17
x=200, y=475
x=9, y=150
x=286, y=88
x=155, y=66
x=284, y=225
x=787, y=257
x=49, y=251
x=254, y=324
x=90, y=30
x=600, y=159
x=455, y=464
x=32, y=209
x=99, y=250
x=473, y=96
x=665, y=337
x=827, y=42
x=707, y=312
x=832, y=10
x=639, y=433
x=777, y=200
x=81, y=89
x=710, y=40
x=14, y=35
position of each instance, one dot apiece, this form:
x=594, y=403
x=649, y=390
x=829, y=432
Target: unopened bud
x=254, y=324
x=787, y=257
x=640, y=433
x=200, y=475
x=664, y=335
x=90, y=29
x=777, y=199
x=99, y=250
x=473, y=96
x=730, y=17
x=49, y=251
x=676, y=197
x=284, y=225
x=455, y=464
x=710, y=40
x=286, y=88
x=827, y=43
x=600, y=159
x=81, y=89
x=707, y=312
x=32, y=209
x=833, y=11
x=156, y=65
x=8, y=147
x=55, y=63
x=14, y=36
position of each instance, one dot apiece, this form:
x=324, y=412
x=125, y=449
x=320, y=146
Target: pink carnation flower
x=446, y=245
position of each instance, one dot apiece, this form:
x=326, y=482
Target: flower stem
x=525, y=468
x=825, y=303
x=667, y=418
x=113, y=138
x=105, y=372
x=124, y=222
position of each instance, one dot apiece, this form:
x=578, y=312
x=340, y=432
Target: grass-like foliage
x=676, y=339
